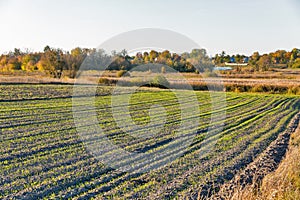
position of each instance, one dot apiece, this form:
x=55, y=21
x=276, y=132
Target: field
x=42, y=155
x=277, y=81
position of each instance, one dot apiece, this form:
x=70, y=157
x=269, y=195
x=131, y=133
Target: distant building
x=235, y=64
x=232, y=60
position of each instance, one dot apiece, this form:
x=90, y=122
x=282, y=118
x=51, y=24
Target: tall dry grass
x=282, y=184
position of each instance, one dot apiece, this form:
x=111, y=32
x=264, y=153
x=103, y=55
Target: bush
x=137, y=81
x=296, y=64
x=106, y=81
x=209, y=73
x=14, y=66
x=257, y=88
x=159, y=81
x=294, y=90
x=122, y=73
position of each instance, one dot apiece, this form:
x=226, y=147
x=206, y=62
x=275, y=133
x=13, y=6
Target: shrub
x=106, y=81
x=209, y=73
x=159, y=81
x=122, y=73
x=137, y=81
x=257, y=88
x=296, y=63
x=294, y=90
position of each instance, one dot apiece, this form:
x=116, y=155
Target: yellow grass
x=284, y=183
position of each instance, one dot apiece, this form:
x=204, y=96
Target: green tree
x=296, y=63
x=295, y=53
x=264, y=62
x=254, y=61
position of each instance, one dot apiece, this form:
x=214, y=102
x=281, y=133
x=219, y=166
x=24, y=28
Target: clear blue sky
x=236, y=26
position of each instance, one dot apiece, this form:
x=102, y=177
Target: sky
x=235, y=26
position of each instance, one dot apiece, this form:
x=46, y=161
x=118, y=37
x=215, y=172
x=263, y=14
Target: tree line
x=57, y=63
x=279, y=58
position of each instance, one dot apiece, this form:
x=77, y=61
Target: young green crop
x=42, y=155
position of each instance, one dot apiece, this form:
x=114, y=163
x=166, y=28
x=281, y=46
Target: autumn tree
x=14, y=63
x=74, y=60
x=153, y=55
x=52, y=62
